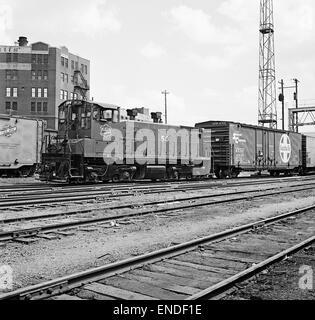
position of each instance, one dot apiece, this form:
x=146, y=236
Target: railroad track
x=48, y=188
x=48, y=229
x=23, y=202
x=204, y=268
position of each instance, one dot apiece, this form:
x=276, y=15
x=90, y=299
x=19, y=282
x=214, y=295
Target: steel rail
x=27, y=232
x=9, y=203
x=227, y=284
x=67, y=283
x=140, y=184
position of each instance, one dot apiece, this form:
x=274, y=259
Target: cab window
x=86, y=118
x=106, y=115
x=62, y=115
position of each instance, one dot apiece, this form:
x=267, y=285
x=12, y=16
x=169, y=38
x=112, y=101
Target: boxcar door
x=259, y=149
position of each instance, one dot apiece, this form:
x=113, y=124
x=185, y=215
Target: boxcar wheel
x=116, y=178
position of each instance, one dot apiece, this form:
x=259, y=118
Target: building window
x=12, y=57
x=45, y=92
x=39, y=92
x=45, y=107
x=72, y=79
x=33, y=107
x=8, y=106
x=71, y=95
x=39, y=58
x=67, y=77
x=62, y=77
x=8, y=57
x=33, y=75
x=82, y=68
x=66, y=62
x=46, y=59
x=8, y=92
x=45, y=75
x=39, y=107
x=72, y=64
x=8, y=74
x=61, y=94
x=33, y=92
x=15, y=92
x=11, y=74
x=63, y=61
x=34, y=58
x=86, y=70
x=75, y=96
x=65, y=95
x=39, y=75
x=14, y=74
x=14, y=106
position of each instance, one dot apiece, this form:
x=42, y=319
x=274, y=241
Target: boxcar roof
x=225, y=123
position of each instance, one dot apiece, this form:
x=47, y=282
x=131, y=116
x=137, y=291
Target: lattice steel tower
x=267, y=72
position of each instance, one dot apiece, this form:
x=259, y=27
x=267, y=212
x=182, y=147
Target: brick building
x=35, y=79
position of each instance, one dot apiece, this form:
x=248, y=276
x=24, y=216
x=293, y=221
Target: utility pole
x=165, y=93
x=296, y=98
x=267, y=114
x=281, y=99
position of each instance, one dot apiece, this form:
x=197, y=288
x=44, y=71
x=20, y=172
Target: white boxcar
x=20, y=145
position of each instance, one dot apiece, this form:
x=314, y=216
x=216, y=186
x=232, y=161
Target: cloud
x=198, y=26
x=6, y=22
x=152, y=51
x=243, y=11
x=96, y=18
x=294, y=22
x=217, y=60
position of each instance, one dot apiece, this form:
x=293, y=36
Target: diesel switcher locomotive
x=94, y=144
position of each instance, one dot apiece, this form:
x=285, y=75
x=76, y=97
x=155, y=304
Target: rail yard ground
x=45, y=257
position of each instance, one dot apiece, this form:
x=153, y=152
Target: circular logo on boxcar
x=285, y=148
x=106, y=131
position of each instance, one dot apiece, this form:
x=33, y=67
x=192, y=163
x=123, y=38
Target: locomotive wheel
x=189, y=177
x=116, y=178
x=176, y=175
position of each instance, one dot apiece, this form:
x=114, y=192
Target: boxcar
x=308, y=152
x=240, y=147
x=20, y=145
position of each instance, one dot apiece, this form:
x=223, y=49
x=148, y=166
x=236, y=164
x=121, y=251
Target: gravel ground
x=4, y=181
x=47, y=259
x=292, y=279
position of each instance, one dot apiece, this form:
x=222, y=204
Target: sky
x=205, y=53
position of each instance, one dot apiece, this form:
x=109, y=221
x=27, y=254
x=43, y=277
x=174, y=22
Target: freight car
x=308, y=155
x=20, y=145
x=95, y=145
x=240, y=147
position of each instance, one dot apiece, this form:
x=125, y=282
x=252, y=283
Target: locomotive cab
x=69, y=157
x=79, y=119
